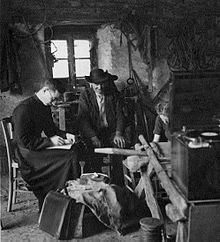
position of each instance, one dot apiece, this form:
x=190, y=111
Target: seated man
x=43, y=169
x=100, y=114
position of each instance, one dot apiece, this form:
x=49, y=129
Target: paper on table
x=67, y=146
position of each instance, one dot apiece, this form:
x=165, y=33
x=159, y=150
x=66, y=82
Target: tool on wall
x=130, y=80
x=134, y=81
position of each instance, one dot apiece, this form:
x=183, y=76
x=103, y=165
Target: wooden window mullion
x=71, y=60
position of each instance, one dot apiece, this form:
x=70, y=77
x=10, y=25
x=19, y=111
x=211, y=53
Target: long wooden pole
x=117, y=151
x=175, y=197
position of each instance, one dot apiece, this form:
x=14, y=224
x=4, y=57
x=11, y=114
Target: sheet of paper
x=67, y=146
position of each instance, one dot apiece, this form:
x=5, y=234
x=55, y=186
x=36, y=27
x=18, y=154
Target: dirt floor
x=22, y=223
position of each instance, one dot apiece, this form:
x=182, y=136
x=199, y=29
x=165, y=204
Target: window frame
x=71, y=33
x=59, y=58
x=81, y=58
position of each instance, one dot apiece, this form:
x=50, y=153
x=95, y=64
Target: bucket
x=151, y=229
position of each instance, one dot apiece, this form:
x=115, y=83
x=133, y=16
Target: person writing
x=41, y=168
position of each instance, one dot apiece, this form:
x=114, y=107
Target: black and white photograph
x=110, y=120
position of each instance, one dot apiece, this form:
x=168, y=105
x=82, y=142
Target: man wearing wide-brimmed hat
x=101, y=118
x=100, y=111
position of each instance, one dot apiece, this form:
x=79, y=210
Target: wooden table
x=117, y=151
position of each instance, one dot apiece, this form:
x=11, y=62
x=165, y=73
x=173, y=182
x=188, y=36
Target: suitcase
x=65, y=219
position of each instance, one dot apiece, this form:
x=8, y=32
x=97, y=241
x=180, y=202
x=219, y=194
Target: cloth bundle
x=112, y=205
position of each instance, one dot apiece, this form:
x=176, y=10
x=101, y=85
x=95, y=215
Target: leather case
x=65, y=219
x=61, y=216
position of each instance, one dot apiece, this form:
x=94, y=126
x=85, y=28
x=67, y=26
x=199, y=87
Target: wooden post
x=174, y=196
x=62, y=118
x=150, y=198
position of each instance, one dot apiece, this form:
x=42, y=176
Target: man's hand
x=119, y=141
x=71, y=138
x=57, y=140
x=96, y=142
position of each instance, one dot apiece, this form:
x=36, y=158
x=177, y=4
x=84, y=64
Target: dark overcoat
x=89, y=118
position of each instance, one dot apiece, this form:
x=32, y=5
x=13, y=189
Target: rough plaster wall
x=104, y=48
x=161, y=74
x=113, y=56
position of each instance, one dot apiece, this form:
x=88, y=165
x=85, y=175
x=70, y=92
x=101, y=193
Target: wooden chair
x=130, y=178
x=15, y=182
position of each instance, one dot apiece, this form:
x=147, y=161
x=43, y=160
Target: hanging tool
x=133, y=80
x=130, y=80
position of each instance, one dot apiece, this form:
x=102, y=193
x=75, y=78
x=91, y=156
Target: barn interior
x=161, y=51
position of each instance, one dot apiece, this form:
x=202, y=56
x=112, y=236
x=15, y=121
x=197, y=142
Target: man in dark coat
x=101, y=119
x=43, y=169
x=101, y=129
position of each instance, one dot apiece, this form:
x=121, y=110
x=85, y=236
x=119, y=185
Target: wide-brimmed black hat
x=98, y=76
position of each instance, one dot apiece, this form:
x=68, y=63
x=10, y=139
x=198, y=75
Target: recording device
x=195, y=127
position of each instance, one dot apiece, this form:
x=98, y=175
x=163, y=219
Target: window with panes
x=81, y=63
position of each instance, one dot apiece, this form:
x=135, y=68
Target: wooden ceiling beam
x=103, y=11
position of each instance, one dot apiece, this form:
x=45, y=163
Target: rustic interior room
x=161, y=51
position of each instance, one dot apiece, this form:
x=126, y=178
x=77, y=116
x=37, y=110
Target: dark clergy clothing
x=42, y=169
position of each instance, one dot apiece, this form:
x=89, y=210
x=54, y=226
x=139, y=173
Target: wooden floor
x=22, y=223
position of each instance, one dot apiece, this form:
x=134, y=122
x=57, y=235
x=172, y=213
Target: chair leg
x=14, y=193
x=106, y=168
x=109, y=170
x=10, y=191
x=125, y=173
x=15, y=185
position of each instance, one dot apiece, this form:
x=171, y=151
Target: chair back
x=8, y=137
x=131, y=179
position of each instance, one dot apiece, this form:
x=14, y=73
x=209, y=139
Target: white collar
x=40, y=98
